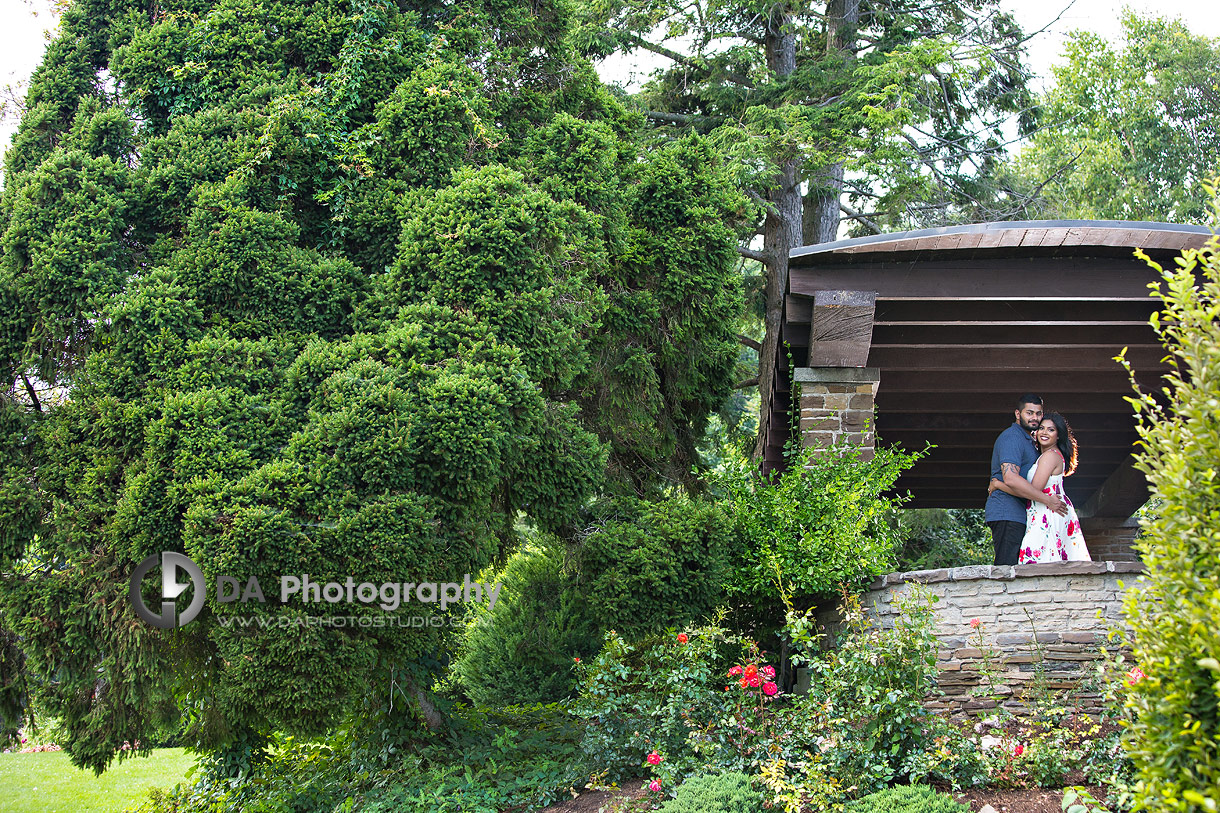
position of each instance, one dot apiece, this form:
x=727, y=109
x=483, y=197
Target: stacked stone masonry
x=1068, y=606
x=836, y=413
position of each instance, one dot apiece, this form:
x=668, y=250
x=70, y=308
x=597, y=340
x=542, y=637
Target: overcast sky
x=24, y=23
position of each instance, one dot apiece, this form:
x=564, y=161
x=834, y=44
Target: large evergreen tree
x=885, y=114
x=344, y=287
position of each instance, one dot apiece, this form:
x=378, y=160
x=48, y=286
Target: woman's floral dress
x=1051, y=537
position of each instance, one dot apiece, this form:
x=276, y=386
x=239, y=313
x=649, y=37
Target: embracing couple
x=1030, y=517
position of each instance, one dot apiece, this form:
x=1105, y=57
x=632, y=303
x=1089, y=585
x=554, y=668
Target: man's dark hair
x=1028, y=398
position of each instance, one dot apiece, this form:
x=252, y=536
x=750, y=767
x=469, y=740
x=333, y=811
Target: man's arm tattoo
x=1007, y=467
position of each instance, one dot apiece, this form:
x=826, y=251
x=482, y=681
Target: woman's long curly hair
x=1066, y=442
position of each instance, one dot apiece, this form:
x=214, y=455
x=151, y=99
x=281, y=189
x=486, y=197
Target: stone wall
x=837, y=405
x=1069, y=606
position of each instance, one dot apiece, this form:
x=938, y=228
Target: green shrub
x=668, y=695
x=655, y=564
x=822, y=524
x=726, y=793
x=872, y=689
x=940, y=537
x=907, y=799
x=522, y=650
x=1174, y=740
x=649, y=566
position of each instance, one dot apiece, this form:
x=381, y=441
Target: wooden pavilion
x=943, y=328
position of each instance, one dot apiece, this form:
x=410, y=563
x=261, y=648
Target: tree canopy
x=1128, y=133
x=881, y=113
x=345, y=287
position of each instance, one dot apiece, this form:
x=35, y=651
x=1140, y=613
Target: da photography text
x=389, y=596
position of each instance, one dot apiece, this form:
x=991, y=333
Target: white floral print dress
x=1051, y=537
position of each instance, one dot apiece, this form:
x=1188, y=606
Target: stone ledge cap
x=836, y=375
x=1006, y=572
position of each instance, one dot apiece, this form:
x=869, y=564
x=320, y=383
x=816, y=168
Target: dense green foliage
x=907, y=799
x=1129, y=133
x=522, y=650
x=520, y=757
x=338, y=288
x=940, y=537
x=652, y=565
x=646, y=566
x=728, y=792
x=874, y=686
x=1174, y=740
x=822, y=524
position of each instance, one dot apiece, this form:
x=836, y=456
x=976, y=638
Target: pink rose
x=655, y=786
x=770, y=688
x=974, y=623
x=1135, y=676
x=735, y=671
x=755, y=681
x=1019, y=750
x=768, y=671
x=654, y=758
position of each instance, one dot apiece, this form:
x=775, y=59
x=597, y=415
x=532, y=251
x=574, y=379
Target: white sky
x=24, y=22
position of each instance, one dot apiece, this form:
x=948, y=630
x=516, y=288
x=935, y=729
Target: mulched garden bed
x=1019, y=800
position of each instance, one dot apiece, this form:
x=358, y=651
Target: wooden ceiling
x=967, y=318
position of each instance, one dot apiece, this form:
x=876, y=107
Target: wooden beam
x=898, y=310
x=953, y=422
x=901, y=382
x=1072, y=278
x=1069, y=403
x=1120, y=496
x=984, y=439
x=1013, y=332
x=842, y=328
x=1034, y=357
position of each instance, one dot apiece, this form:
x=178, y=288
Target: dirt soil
x=1024, y=800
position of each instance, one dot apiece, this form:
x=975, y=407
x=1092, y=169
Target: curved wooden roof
x=1011, y=238
x=968, y=317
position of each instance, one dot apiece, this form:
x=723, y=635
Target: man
x=1012, y=454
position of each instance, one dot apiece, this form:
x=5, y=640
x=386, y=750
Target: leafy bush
x=907, y=799
x=872, y=688
x=1174, y=740
x=821, y=524
x=648, y=566
x=725, y=793
x=521, y=757
x=521, y=650
x=940, y=537
x=665, y=694
x=655, y=564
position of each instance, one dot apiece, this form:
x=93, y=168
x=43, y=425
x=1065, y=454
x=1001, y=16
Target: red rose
x=654, y=758
x=682, y=637
x=770, y=688
x=735, y=671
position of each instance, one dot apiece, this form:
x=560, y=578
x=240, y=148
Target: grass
x=47, y=782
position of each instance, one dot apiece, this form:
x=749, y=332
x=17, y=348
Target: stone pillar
x=1110, y=539
x=836, y=405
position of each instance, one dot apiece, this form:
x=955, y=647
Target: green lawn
x=46, y=782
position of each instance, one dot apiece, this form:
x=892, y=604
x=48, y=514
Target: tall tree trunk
x=821, y=216
x=782, y=229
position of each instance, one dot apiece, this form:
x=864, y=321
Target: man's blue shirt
x=1012, y=446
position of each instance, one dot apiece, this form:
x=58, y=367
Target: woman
x=1051, y=537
